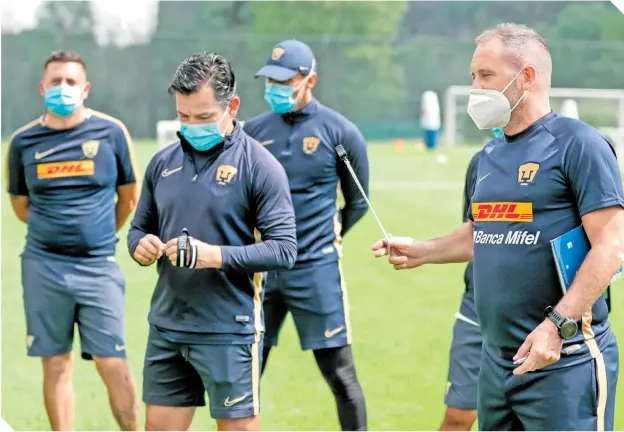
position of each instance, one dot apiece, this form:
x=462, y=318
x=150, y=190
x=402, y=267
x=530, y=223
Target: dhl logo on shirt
x=502, y=212
x=66, y=169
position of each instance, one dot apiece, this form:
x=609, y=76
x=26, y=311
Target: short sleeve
x=592, y=171
x=126, y=166
x=469, y=185
x=15, y=174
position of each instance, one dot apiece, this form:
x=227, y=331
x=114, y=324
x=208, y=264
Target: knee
x=342, y=381
x=112, y=365
x=58, y=368
x=240, y=424
x=458, y=420
x=113, y=370
x=151, y=426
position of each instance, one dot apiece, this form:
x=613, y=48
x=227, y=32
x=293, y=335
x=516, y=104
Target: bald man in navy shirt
x=302, y=134
x=550, y=360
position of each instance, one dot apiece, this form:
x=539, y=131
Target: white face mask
x=490, y=109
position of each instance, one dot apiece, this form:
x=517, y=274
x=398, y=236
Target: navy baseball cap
x=287, y=59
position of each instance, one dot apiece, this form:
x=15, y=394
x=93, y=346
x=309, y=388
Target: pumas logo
x=310, y=144
x=527, y=173
x=90, y=148
x=225, y=174
x=502, y=212
x=277, y=53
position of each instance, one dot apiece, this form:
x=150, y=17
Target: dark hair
x=205, y=69
x=65, y=56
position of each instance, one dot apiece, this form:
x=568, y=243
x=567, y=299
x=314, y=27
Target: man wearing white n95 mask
x=546, y=176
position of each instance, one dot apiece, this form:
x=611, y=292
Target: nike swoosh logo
x=479, y=180
x=266, y=143
x=166, y=172
x=331, y=333
x=120, y=347
x=45, y=153
x=229, y=403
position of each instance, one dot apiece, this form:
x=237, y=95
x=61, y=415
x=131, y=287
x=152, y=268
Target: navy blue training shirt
x=220, y=196
x=70, y=177
x=469, y=186
x=532, y=188
x=304, y=142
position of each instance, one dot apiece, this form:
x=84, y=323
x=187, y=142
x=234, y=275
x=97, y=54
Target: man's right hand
x=149, y=249
x=405, y=252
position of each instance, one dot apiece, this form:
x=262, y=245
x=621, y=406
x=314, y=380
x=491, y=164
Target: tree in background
x=375, y=58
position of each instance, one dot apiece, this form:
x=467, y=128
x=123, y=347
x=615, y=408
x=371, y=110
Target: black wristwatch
x=567, y=327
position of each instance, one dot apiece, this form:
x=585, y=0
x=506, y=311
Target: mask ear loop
x=519, y=100
x=306, y=79
x=508, y=85
x=511, y=82
x=221, y=121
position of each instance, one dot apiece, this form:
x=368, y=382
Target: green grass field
x=401, y=321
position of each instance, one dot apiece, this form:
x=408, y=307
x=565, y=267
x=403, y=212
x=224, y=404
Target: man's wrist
x=428, y=247
x=209, y=256
x=566, y=327
x=551, y=326
x=218, y=257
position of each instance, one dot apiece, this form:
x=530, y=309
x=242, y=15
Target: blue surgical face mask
x=203, y=136
x=62, y=100
x=281, y=98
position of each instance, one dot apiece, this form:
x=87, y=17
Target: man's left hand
x=208, y=256
x=542, y=347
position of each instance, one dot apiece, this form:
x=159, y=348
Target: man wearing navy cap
x=302, y=134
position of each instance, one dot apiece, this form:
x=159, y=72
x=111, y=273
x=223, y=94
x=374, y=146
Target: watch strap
x=187, y=250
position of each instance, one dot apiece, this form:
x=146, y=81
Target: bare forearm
x=123, y=209
x=20, y=207
x=591, y=280
x=23, y=215
x=453, y=248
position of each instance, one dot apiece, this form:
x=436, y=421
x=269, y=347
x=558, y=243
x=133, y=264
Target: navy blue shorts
x=464, y=360
x=179, y=374
x=58, y=294
x=317, y=298
x=574, y=398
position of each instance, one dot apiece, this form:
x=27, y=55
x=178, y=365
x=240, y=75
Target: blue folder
x=569, y=251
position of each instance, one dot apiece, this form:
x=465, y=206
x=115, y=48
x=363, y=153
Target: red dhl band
x=65, y=169
x=502, y=212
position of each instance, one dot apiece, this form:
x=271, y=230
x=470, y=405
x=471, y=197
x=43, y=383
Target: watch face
x=568, y=330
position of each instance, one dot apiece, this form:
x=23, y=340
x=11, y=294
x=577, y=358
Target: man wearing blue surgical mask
x=302, y=134
x=72, y=180
x=204, y=198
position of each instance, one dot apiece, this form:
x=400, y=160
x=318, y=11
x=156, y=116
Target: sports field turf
x=401, y=321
